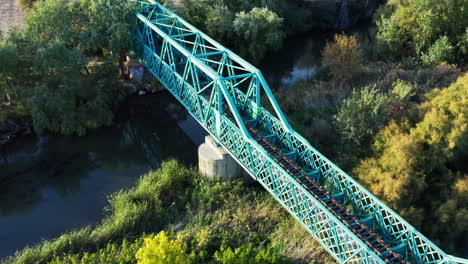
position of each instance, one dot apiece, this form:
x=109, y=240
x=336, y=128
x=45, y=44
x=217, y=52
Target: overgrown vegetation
x=417, y=165
x=367, y=110
x=203, y=221
x=250, y=27
x=344, y=58
x=63, y=67
x=428, y=31
x=382, y=110
x=259, y=26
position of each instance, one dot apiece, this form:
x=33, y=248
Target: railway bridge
x=223, y=93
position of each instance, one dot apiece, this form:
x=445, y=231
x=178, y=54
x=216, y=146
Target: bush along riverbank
x=174, y=212
x=66, y=69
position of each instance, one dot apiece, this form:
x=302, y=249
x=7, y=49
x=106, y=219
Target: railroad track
x=350, y=220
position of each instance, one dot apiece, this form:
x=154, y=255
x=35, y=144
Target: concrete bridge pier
x=215, y=161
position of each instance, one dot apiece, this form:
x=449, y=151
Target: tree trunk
x=121, y=64
x=7, y=93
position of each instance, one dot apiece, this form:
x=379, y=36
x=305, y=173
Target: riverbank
x=210, y=217
x=16, y=118
x=61, y=183
x=15, y=122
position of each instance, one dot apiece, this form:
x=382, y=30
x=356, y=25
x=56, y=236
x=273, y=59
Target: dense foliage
x=363, y=114
x=260, y=25
x=250, y=27
x=417, y=166
x=112, y=253
x=204, y=221
x=344, y=58
x=161, y=249
x=62, y=67
x=431, y=31
x=405, y=139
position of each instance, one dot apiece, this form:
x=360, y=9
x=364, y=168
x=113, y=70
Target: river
x=53, y=184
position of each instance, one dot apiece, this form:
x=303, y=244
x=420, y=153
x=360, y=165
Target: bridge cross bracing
x=223, y=93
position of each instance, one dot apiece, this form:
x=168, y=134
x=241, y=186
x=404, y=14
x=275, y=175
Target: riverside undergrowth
x=213, y=221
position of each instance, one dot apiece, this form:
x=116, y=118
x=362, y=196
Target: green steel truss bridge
x=222, y=92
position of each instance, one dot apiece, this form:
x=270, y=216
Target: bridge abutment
x=214, y=161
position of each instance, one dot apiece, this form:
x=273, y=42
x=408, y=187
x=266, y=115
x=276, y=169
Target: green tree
x=72, y=102
x=63, y=67
x=55, y=20
x=361, y=115
x=367, y=110
x=259, y=30
x=65, y=91
x=343, y=57
x=412, y=28
x=8, y=70
x=161, y=249
x=440, y=51
x=196, y=12
x=219, y=23
x=419, y=161
x=109, y=26
x=453, y=214
x=296, y=17
x=97, y=26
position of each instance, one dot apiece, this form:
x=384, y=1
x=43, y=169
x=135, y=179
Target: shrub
x=219, y=23
x=390, y=39
x=362, y=115
x=111, y=254
x=413, y=28
x=248, y=254
x=162, y=250
x=419, y=161
x=440, y=51
x=399, y=99
x=261, y=30
x=343, y=57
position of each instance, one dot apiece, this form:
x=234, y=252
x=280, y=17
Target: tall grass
x=214, y=218
x=158, y=198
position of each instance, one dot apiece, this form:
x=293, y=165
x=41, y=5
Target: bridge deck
x=351, y=221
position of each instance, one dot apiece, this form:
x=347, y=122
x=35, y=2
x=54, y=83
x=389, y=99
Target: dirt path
x=10, y=15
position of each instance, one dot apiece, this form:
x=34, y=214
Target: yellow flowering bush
x=161, y=249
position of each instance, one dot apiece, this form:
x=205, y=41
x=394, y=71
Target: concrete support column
x=215, y=161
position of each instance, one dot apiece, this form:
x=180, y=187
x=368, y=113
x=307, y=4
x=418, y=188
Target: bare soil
x=11, y=15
